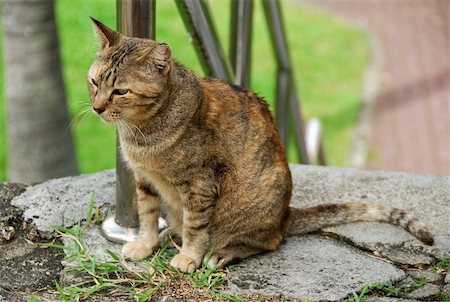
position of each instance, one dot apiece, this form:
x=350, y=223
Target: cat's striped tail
x=307, y=220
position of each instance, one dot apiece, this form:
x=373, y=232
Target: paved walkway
x=410, y=124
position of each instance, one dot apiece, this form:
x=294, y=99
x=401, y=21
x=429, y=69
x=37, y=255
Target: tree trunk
x=40, y=143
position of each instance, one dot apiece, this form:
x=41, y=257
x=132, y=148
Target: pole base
x=113, y=231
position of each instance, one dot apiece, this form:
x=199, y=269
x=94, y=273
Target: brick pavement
x=410, y=123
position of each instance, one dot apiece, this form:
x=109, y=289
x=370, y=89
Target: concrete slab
x=95, y=244
x=305, y=267
x=386, y=299
x=427, y=196
x=311, y=267
x=64, y=201
x=429, y=291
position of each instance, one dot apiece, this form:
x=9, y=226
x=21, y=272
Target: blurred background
x=376, y=73
x=410, y=106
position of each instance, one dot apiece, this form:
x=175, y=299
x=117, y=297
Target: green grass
x=441, y=265
x=358, y=297
x=387, y=289
x=328, y=59
x=117, y=276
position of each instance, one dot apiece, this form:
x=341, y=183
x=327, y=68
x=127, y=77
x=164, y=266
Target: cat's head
x=128, y=79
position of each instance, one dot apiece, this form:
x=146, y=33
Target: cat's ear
x=107, y=37
x=162, y=58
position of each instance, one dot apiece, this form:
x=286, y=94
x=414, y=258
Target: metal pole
x=197, y=20
x=287, y=97
x=241, y=40
x=135, y=18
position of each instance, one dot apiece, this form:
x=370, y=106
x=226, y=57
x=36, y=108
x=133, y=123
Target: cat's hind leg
x=175, y=228
x=230, y=255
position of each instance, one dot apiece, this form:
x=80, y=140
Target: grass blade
x=113, y=255
x=52, y=245
x=61, y=293
x=90, y=210
x=34, y=299
x=65, y=230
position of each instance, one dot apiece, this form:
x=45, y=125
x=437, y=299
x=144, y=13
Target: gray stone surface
x=429, y=275
x=387, y=240
x=386, y=299
x=447, y=277
x=442, y=243
x=95, y=244
x=429, y=291
x=427, y=196
x=65, y=201
x=311, y=267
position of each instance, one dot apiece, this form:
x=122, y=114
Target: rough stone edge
x=45, y=232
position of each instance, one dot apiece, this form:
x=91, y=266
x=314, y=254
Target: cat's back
x=243, y=128
x=236, y=113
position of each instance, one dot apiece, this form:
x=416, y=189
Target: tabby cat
x=211, y=152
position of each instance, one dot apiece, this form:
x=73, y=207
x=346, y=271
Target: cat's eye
x=120, y=91
x=94, y=82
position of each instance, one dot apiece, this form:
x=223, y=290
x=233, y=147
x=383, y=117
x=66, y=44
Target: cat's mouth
x=109, y=117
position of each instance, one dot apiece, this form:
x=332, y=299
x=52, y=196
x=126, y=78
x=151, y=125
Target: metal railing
x=137, y=18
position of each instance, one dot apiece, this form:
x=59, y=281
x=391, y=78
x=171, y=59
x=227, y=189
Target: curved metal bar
x=241, y=40
x=198, y=22
x=287, y=97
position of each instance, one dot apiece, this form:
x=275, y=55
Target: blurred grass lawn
x=329, y=59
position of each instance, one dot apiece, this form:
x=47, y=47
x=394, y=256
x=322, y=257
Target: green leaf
x=113, y=255
x=61, y=293
x=34, y=299
x=90, y=210
x=148, y=293
x=52, y=245
x=65, y=230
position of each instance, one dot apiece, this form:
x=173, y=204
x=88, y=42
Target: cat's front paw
x=184, y=263
x=137, y=250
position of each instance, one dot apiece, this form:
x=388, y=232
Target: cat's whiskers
x=127, y=128
x=86, y=116
x=76, y=103
x=140, y=131
x=79, y=117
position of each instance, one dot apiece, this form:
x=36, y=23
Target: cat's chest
x=149, y=168
x=165, y=189
x=138, y=156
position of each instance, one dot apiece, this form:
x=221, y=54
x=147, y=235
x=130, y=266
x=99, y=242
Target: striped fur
x=307, y=220
x=210, y=152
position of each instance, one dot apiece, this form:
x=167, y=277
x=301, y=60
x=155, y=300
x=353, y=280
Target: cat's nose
x=99, y=110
